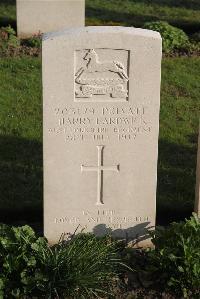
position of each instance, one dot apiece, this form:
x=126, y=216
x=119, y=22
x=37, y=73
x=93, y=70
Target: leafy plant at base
x=172, y=38
x=11, y=45
x=35, y=41
x=16, y=259
x=9, y=42
x=83, y=267
x=177, y=256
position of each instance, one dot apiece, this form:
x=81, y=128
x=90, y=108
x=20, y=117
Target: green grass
x=179, y=116
x=21, y=138
x=184, y=14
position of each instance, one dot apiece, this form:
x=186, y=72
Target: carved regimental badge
x=101, y=75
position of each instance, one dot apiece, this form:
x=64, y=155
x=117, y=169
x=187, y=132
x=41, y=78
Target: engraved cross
x=99, y=169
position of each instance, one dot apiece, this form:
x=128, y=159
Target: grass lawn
x=184, y=14
x=21, y=138
x=179, y=118
x=21, y=113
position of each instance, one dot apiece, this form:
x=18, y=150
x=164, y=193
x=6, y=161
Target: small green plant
x=172, y=38
x=82, y=267
x=177, y=256
x=16, y=259
x=11, y=45
x=8, y=39
x=35, y=41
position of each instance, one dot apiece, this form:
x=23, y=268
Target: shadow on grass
x=104, y=16
x=21, y=184
x=176, y=180
x=6, y=20
x=8, y=2
x=128, y=19
x=189, y=4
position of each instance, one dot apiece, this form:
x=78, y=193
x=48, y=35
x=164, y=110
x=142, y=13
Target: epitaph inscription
x=112, y=218
x=101, y=75
x=100, y=168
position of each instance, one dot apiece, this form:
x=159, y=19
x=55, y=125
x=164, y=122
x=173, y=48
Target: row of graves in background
x=101, y=100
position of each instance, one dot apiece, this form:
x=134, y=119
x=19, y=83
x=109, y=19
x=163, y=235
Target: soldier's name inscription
x=101, y=123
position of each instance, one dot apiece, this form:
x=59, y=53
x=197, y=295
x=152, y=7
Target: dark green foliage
x=85, y=266
x=172, y=37
x=196, y=36
x=8, y=40
x=176, y=257
x=82, y=267
x=11, y=45
x=173, y=266
x=17, y=261
x=35, y=41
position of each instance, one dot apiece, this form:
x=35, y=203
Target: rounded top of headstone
x=102, y=29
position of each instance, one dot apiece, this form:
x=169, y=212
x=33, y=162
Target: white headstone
x=197, y=193
x=101, y=91
x=40, y=16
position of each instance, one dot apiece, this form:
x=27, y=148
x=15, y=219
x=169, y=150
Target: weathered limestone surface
x=101, y=119
x=40, y=16
x=197, y=191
